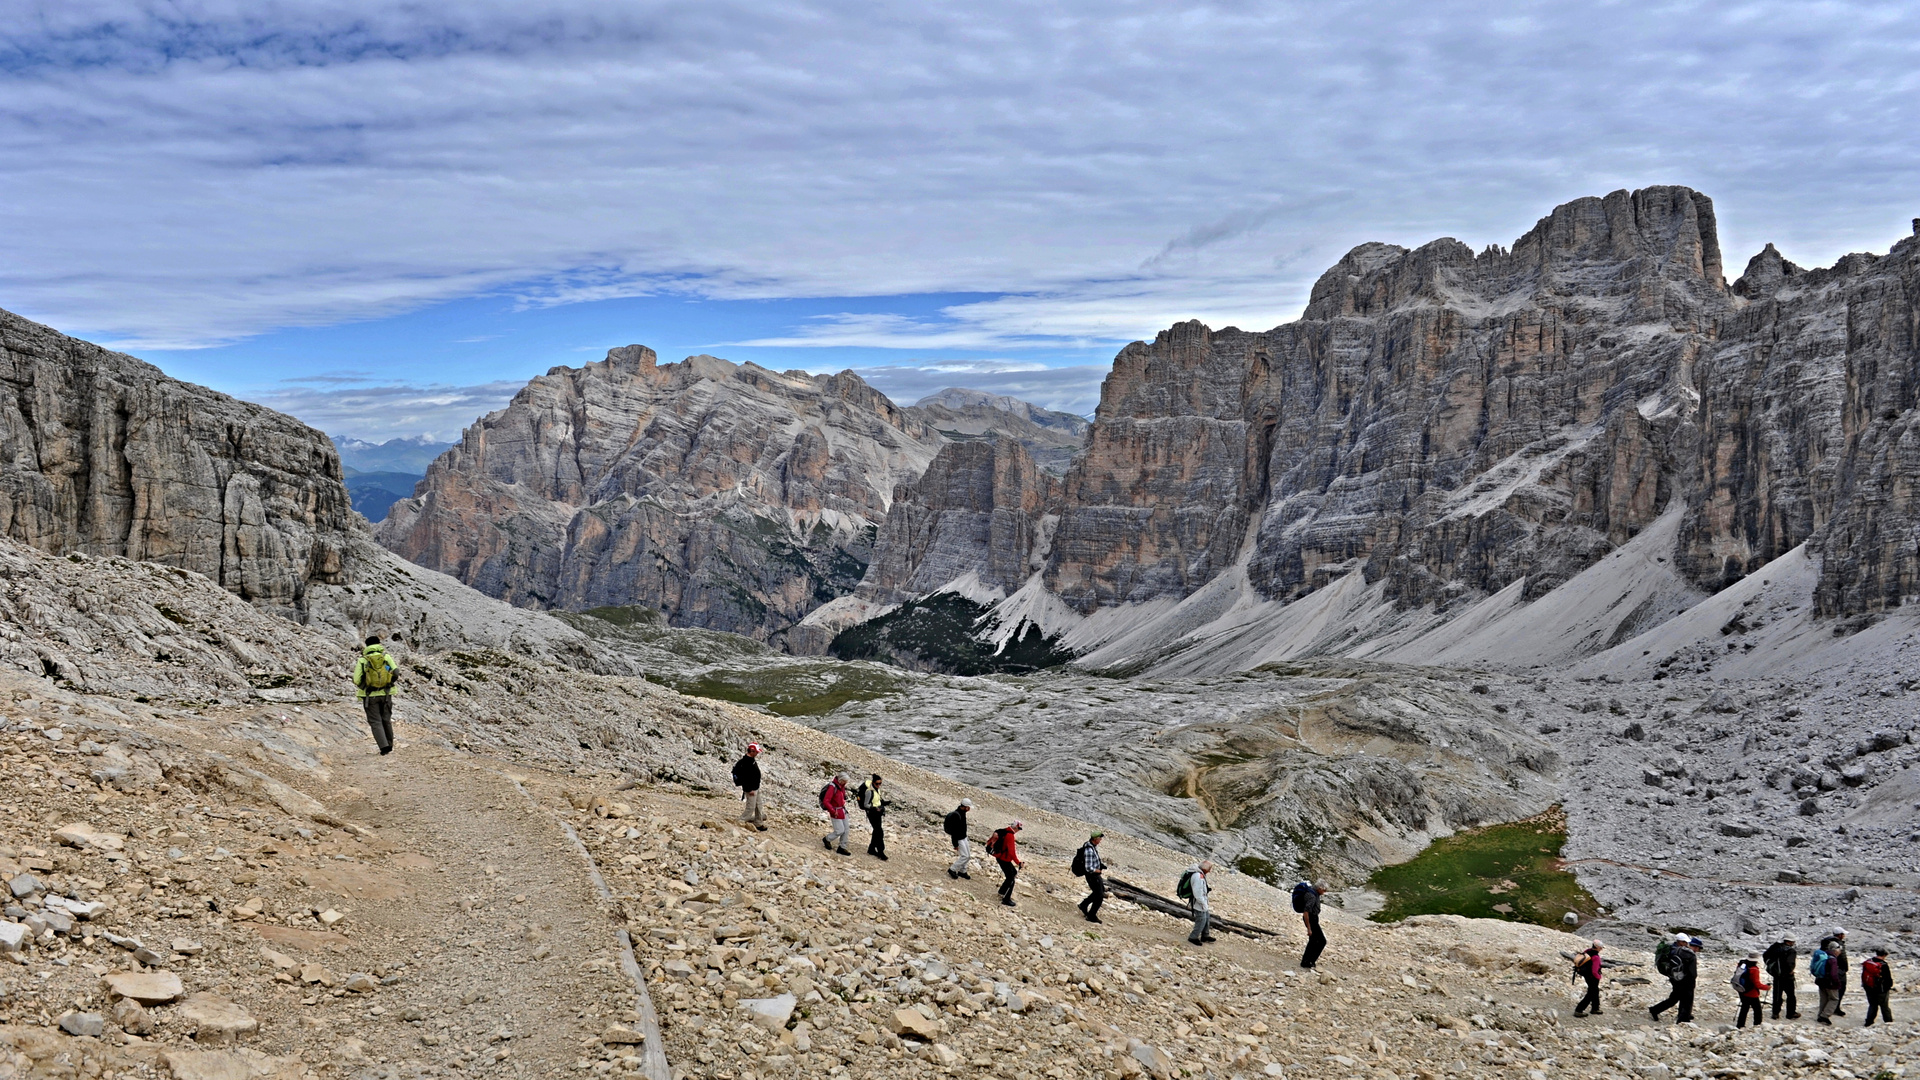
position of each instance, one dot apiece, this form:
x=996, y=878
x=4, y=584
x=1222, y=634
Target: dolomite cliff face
x=102, y=454
x=1442, y=425
x=1051, y=438
x=728, y=496
x=982, y=508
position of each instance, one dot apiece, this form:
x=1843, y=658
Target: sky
x=385, y=216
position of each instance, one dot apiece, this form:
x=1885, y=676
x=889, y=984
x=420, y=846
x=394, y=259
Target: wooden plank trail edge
x=1133, y=894
x=653, y=1057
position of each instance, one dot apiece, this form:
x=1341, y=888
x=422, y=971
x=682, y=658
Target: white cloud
x=1068, y=389
x=191, y=172
x=356, y=407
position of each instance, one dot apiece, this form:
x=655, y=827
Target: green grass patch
x=1511, y=871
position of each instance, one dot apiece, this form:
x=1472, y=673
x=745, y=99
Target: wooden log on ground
x=1133, y=894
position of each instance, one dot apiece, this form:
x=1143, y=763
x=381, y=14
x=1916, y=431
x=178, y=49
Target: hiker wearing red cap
x=746, y=777
x=1006, y=851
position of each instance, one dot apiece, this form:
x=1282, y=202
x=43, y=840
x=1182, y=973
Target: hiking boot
x=1790, y=1016
x=1839, y=1012
x=385, y=750
x=1824, y=1020
x=966, y=875
x=1007, y=900
x=1578, y=1014
x=953, y=874
x=762, y=828
x=881, y=855
x=1596, y=1012
x=1653, y=1012
x=828, y=844
x=1208, y=940
x=844, y=851
x=1093, y=918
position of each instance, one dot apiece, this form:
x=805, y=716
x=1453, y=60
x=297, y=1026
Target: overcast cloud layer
x=189, y=172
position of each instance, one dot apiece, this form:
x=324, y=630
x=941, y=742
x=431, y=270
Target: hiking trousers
x=1096, y=894
x=877, y=845
x=1201, y=918
x=962, y=856
x=380, y=718
x=751, y=811
x=1009, y=872
x=838, y=837
x=1877, y=1003
x=1746, y=1004
x=1316, y=941
x=1591, y=1002
x=1829, y=1001
x=1783, y=991
x=1682, y=997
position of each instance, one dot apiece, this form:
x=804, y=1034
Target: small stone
x=23, y=886
x=13, y=937
x=361, y=983
x=943, y=1055
x=1571, y=918
x=330, y=918
x=133, y=1017
x=621, y=1035
x=215, y=1021
x=82, y=835
x=57, y=919
x=281, y=961
x=772, y=1013
x=314, y=973
x=1152, y=1059
x=914, y=1024
x=150, y=956
x=145, y=987
x=188, y=947
x=90, y=1025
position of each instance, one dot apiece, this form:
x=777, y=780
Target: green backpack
x=376, y=671
x=1184, y=890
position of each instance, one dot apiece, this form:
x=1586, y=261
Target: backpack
x=1739, y=980
x=1184, y=890
x=376, y=671
x=866, y=798
x=1585, y=966
x=1775, y=959
x=1817, y=965
x=956, y=825
x=823, y=797
x=1303, y=897
x=1873, y=972
x=1079, y=866
x=1663, y=959
x=997, y=843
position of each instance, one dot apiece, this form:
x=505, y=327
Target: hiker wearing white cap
x=746, y=777
x=1781, y=958
x=1829, y=969
x=956, y=830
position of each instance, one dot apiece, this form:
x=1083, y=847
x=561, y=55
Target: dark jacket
x=746, y=773
x=956, y=825
x=1686, y=965
x=1781, y=958
x=1835, y=976
x=1875, y=976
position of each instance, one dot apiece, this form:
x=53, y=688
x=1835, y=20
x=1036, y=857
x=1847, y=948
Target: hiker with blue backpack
x=1306, y=901
x=1828, y=966
x=1192, y=887
x=373, y=677
x=1747, y=988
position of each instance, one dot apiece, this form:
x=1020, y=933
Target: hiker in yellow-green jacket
x=373, y=676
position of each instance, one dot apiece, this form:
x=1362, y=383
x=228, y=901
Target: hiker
x=746, y=777
x=833, y=799
x=1876, y=981
x=869, y=799
x=1306, y=901
x=956, y=829
x=1747, y=987
x=1004, y=848
x=1828, y=966
x=1782, y=957
x=1680, y=963
x=373, y=677
x=1193, y=889
x=1587, y=966
x=1087, y=864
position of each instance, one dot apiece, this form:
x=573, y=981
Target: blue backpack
x=1817, y=964
x=1303, y=894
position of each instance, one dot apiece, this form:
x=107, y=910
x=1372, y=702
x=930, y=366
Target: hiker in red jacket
x=1006, y=850
x=833, y=799
x=1587, y=966
x=1876, y=978
x=1746, y=979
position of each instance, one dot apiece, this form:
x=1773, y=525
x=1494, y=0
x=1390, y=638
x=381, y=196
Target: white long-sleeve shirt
x=1199, y=887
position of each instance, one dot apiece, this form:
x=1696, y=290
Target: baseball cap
x=753, y=748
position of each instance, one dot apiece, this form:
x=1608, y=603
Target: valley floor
x=328, y=912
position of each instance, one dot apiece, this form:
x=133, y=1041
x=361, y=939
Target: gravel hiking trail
x=510, y=956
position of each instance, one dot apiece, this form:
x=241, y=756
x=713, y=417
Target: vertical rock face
x=1445, y=424
x=1051, y=438
x=982, y=508
x=103, y=454
x=728, y=496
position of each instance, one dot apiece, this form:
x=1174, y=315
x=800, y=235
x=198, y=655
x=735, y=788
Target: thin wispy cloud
x=376, y=412
x=197, y=171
